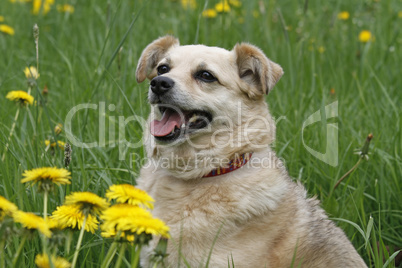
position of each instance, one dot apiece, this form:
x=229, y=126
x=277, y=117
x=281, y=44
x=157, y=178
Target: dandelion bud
x=160, y=250
x=31, y=73
x=45, y=91
x=58, y=129
x=365, y=149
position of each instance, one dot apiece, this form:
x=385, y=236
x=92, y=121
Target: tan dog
x=208, y=109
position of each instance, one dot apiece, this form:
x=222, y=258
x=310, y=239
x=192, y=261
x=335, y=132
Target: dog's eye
x=206, y=76
x=163, y=69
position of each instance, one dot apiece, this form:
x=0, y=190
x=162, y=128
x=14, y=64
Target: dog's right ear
x=151, y=55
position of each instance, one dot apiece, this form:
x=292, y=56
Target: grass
x=90, y=56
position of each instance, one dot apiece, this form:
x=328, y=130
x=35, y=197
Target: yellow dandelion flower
x=126, y=193
x=1, y=18
x=72, y=217
x=47, y=175
x=4, y=28
x=133, y=220
x=53, y=144
x=36, y=5
x=42, y=261
x=256, y=14
x=149, y=226
x=6, y=208
x=209, y=13
x=87, y=202
x=186, y=4
x=114, y=215
x=54, y=224
x=31, y=72
x=21, y=96
x=47, y=6
x=115, y=218
x=66, y=8
x=111, y=233
x=400, y=14
x=344, y=15
x=222, y=7
x=235, y=3
x=31, y=221
x=321, y=49
x=365, y=36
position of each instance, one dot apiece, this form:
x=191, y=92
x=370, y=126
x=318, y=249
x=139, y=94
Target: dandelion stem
x=18, y=253
x=111, y=252
x=121, y=254
x=109, y=256
x=11, y=132
x=77, y=249
x=348, y=173
x=2, y=253
x=68, y=242
x=45, y=244
x=45, y=204
x=136, y=258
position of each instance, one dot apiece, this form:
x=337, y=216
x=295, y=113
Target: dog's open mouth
x=176, y=123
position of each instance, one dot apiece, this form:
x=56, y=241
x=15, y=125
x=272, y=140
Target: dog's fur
x=258, y=216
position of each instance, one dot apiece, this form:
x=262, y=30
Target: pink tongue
x=166, y=125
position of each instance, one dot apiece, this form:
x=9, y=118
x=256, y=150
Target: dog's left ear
x=259, y=72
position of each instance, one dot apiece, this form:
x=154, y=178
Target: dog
x=217, y=184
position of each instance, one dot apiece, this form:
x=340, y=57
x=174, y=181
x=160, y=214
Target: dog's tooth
x=193, y=118
x=183, y=125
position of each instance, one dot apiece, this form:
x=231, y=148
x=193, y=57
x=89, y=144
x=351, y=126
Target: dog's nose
x=161, y=84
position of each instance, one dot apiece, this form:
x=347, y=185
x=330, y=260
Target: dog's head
x=207, y=99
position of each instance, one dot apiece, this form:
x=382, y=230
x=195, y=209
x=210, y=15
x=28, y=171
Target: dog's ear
x=151, y=55
x=256, y=69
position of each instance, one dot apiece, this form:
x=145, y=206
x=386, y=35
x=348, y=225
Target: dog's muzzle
x=175, y=121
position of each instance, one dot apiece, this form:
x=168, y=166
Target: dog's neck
x=237, y=162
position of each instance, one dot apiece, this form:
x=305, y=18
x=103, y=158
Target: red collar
x=234, y=164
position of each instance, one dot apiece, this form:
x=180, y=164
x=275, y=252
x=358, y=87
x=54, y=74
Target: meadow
x=342, y=52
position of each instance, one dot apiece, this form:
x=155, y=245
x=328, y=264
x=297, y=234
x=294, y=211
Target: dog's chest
x=198, y=212
x=193, y=208
x=195, y=216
